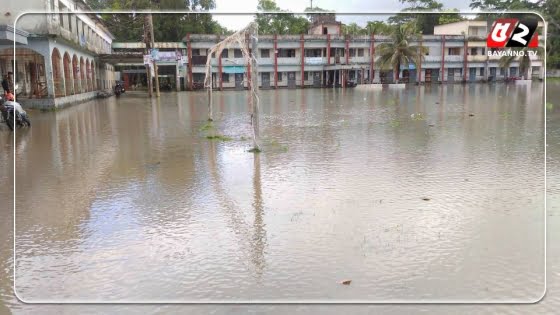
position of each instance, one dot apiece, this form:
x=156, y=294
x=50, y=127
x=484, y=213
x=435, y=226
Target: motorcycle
x=119, y=89
x=13, y=112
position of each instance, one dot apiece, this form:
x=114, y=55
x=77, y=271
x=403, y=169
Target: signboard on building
x=147, y=59
x=165, y=56
x=314, y=60
x=234, y=69
x=155, y=54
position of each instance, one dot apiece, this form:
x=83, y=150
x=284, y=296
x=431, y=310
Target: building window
x=313, y=53
x=196, y=52
x=481, y=70
x=237, y=53
x=360, y=52
x=61, y=16
x=279, y=76
x=286, y=53
x=265, y=53
x=454, y=51
x=474, y=51
x=482, y=51
x=306, y=75
x=225, y=77
x=70, y=22
x=502, y=72
x=352, y=52
x=225, y=53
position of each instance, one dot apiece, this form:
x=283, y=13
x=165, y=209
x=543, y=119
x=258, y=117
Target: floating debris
x=471, y=115
x=254, y=150
x=346, y=282
x=432, y=125
x=426, y=199
x=218, y=137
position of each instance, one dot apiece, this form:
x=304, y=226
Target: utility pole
x=147, y=52
x=152, y=46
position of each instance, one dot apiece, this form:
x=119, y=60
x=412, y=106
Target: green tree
x=423, y=22
x=449, y=16
x=279, y=23
x=399, y=51
x=525, y=62
x=378, y=27
x=505, y=62
x=167, y=26
x=352, y=29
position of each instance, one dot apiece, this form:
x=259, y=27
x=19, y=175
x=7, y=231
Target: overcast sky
x=239, y=21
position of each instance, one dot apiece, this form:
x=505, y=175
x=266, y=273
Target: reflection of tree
x=251, y=246
x=259, y=233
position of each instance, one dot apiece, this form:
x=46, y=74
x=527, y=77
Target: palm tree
x=505, y=62
x=525, y=60
x=399, y=51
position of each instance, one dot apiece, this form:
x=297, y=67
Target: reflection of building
x=56, y=54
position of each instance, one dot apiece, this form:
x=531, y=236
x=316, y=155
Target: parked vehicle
x=12, y=112
x=119, y=89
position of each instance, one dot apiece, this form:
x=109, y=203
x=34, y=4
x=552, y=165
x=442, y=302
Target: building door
x=316, y=79
x=239, y=81
x=450, y=74
x=292, y=80
x=472, y=74
x=265, y=80
x=513, y=71
x=428, y=75
x=492, y=76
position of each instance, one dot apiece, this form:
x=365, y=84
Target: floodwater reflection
x=431, y=192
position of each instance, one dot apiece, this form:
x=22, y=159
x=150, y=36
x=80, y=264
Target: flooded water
x=428, y=193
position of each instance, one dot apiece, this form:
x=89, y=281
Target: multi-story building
x=475, y=53
x=56, y=53
x=456, y=53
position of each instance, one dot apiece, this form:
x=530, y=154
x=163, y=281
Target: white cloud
x=248, y=7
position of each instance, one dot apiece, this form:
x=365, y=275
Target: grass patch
x=418, y=117
x=549, y=106
x=553, y=79
x=395, y=123
x=218, y=137
x=207, y=126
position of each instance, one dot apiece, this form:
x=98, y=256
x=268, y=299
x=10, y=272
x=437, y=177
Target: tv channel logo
x=513, y=33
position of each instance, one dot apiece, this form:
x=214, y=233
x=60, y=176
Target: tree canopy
x=279, y=23
x=167, y=26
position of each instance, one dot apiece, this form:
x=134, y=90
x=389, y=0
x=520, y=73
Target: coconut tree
x=525, y=60
x=505, y=62
x=399, y=50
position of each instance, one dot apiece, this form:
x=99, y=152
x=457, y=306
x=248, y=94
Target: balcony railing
x=453, y=58
x=476, y=58
x=432, y=58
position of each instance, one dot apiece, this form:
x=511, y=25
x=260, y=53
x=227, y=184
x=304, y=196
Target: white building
x=479, y=64
x=56, y=54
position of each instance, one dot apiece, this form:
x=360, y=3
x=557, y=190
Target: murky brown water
x=127, y=200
